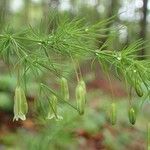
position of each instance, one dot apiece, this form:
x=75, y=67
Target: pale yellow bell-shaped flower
x=20, y=104
x=53, y=109
x=64, y=89
x=81, y=97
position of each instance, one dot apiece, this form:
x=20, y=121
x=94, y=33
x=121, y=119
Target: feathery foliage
x=31, y=51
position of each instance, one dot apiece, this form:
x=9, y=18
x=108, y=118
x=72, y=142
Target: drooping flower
x=64, y=89
x=80, y=98
x=20, y=104
x=82, y=83
x=113, y=114
x=53, y=113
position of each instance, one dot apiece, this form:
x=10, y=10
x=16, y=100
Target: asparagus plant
x=32, y=51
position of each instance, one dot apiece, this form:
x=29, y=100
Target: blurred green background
x=91, y=131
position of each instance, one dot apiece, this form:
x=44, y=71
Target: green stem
x=59, y=98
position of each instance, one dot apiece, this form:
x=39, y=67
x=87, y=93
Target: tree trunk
x=26, y=11
x=112, y=10
x=50, y=9
x=143, y=24
x=3, y=12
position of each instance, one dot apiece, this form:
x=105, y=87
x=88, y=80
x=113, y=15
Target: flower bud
x=64, y=89
x=20, y=104
x=139, y=90
x=53, y=109
x=113, y=114
x=80, y=98
x=132, y=116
